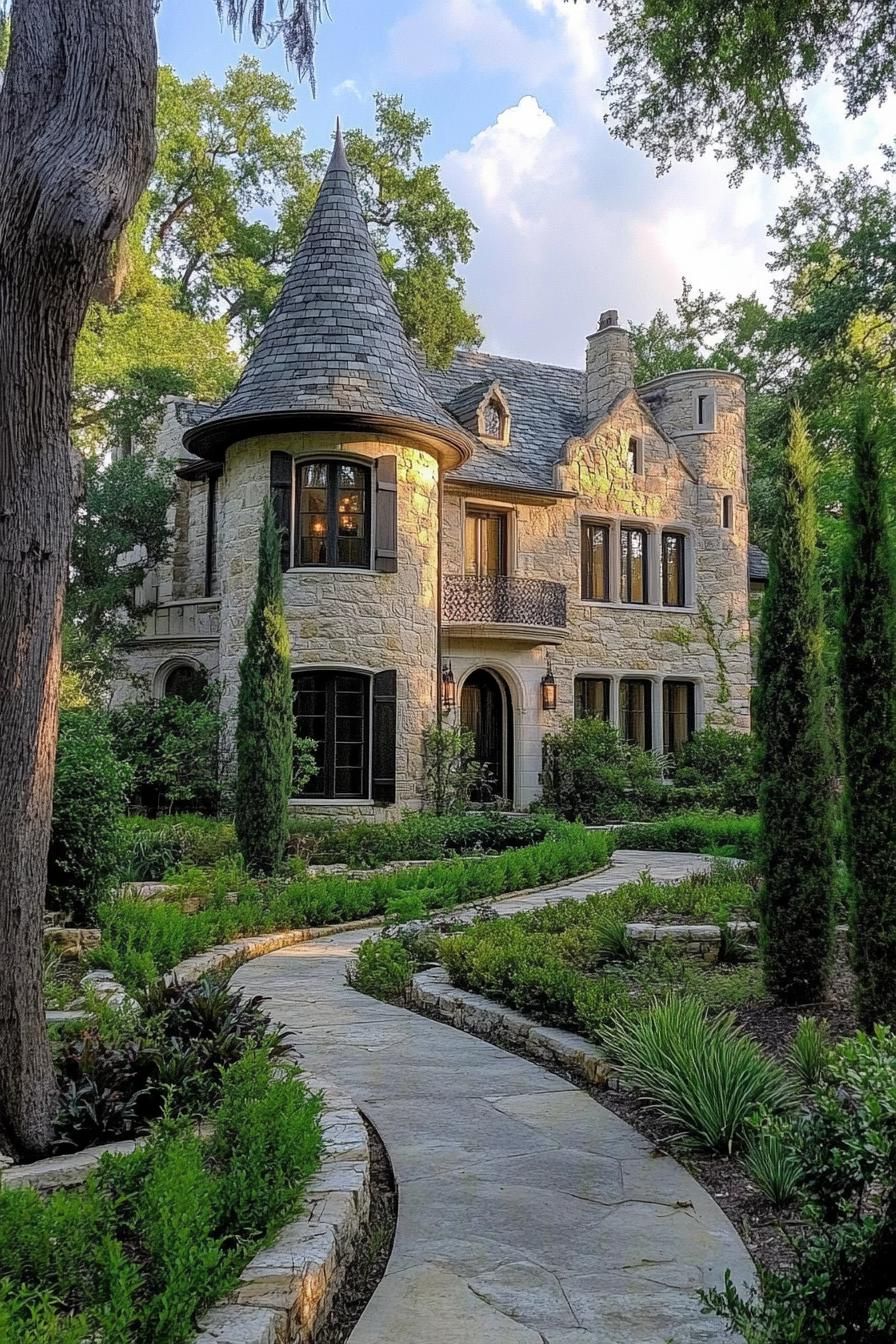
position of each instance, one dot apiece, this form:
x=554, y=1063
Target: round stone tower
x=332, y=418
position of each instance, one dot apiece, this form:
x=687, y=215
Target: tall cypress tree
x=795, y=803
x=868, y=685
x=264, y=729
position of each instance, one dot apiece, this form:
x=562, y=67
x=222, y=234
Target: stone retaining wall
x=285, y=1292
x=695, y=940
x=432, y=991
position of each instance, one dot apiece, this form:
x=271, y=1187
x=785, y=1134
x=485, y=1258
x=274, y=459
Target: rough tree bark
x=76, y=148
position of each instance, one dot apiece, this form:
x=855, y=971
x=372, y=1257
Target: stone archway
x=486, y=709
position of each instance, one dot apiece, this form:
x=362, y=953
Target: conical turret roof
x=333, y=353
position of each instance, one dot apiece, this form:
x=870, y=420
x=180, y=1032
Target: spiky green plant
x=264, y=730
x=771, y=1158
x=699, y=1072
x=795, y=795
x=810, y=1050
x=868, y=682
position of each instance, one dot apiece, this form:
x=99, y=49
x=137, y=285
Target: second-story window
x=595, y=562
x=485, y=543
x=633, y=565
x=673, y=569
x=634, y=455
x=333, y=514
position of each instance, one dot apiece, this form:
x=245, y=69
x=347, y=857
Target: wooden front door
x=484, y=711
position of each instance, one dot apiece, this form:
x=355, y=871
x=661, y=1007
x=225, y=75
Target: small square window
x=705, y=410
x=727, y=511
x=634, y=456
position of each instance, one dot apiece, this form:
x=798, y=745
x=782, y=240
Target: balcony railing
x=196, y=618
x=503, y=600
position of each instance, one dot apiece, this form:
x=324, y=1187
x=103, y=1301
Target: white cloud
x=571, y=221
x=348, y=86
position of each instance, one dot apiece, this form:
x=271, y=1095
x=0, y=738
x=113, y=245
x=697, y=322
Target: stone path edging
x=286, y=1290
x=528, y=1213
x=434, y=992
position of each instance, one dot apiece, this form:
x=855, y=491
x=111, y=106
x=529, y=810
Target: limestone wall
x=355, y=619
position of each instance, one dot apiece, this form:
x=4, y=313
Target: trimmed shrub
x=89, y=796
x=699, y=1073
x=419, y=835
x=383, y=970
x=173, y=750
x=143, y=939
x=868, y=697
x=724, y=761
x=795, y=795
x=591, y=774
x=264, y=728
x=695, y=833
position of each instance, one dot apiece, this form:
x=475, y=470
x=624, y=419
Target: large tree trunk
x=76, y=147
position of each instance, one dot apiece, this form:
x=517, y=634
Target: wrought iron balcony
x=503, y=600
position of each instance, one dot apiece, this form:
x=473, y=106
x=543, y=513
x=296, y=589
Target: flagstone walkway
x=528, y=1213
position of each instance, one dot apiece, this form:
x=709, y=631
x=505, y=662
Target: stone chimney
x=609, y=365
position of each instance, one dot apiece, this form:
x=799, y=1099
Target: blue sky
x=570, y=222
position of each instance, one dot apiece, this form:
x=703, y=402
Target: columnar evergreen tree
x=795, y=799
x=868, y=687
x=264, y=729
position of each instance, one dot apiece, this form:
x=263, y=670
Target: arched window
x=186, y=682
x=333, y=514
x=493, y=421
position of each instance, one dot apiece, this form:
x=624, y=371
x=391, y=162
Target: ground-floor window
x=634, y=712
x=592, y=698
x=678, y=714
x=186, y=682
x=333, y=708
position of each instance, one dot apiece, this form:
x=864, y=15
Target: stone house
x=501, y=542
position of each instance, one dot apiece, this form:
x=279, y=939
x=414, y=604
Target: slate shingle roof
x=545, y=404
x=333, y=346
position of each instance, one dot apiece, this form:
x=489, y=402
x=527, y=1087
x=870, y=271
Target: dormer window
x=492, y=421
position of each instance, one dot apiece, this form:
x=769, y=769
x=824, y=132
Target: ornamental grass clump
x=698, y=1072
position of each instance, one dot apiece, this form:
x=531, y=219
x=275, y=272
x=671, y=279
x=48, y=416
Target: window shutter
x=281, y=498
x=384, y=731
x=386, y=560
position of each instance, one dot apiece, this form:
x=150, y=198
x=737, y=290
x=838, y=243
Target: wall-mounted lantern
x=449, y=688
x=548, y=688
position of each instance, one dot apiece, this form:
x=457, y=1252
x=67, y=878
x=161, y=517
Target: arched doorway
x=486, y=709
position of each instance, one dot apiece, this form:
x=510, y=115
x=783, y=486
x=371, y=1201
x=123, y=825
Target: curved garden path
x=528, y=1213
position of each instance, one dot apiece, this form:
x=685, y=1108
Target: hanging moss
x=795, y=794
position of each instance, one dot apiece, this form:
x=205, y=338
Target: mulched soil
x=368, y=1264
x=766, y=1231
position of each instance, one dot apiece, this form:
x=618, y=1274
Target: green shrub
x=451, y=771
x=89, y=794
x=695, y=833
x=591, y=774
x=264, y=727
x=155, y=846
x=723, y=761
x=384, y=969
x=144, y=938
x=157, y=1235
x=173, y=748
x=793, y=734
x=839, y=1284
x=699, y=1073
x=419, y=835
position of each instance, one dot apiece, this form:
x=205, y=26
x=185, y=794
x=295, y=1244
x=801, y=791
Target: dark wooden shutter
x=281, y=497
x=386, y=559
x=384, y=731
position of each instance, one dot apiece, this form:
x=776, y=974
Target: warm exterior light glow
x=449, y=688
x=548, y=688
